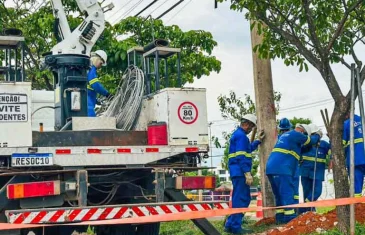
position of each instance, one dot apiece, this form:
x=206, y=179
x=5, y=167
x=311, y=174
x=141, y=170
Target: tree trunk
x=266, y=113
x=339, y=167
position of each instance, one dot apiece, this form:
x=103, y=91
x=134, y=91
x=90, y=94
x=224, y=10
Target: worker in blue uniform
x=240, y=164
x=359, y=156
x=312, y=169
x=282, y=166
x=285, y=126
x=94, y=87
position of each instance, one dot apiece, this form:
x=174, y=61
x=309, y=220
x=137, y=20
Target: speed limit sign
x=188, y=112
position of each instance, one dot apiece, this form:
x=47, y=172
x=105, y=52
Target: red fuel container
x=157, y=133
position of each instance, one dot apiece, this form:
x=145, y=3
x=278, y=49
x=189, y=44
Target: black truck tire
x=148, y=229
x=120, y=229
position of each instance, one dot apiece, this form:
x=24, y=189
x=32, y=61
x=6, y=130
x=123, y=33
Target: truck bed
x=89, y=138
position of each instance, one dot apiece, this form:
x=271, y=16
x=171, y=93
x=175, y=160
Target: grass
x=324, y=210
x=188, y=228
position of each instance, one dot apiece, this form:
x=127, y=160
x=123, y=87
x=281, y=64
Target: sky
x=231, y=30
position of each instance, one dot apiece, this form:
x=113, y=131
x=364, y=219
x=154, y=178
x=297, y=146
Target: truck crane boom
x=81, y=40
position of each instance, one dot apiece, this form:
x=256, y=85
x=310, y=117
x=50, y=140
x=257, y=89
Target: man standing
x=239, y=164
x=358, y=152
x=285, y=126
x=94, y=87
x=282, y=165
x=312, y=169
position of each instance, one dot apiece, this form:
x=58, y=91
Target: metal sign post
x=352, y=157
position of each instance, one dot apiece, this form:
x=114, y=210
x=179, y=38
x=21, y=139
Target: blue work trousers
x=241, y=198
x=359, y=179
x=307, y=184
x=283, y=187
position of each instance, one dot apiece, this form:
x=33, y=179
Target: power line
x=120, y=8
x=179, y=11
x=148, y=6
x=158, y=7
x=171, y=8
x=129, y=11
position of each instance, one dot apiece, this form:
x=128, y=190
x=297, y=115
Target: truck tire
x=148, y=229
x=122, y=229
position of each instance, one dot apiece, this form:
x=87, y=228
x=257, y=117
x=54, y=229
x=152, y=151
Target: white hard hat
x=305, y=127
x=250, y=117
x=102, y=54
x=314, y=128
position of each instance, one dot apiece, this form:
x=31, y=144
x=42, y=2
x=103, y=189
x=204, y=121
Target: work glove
x=249, y=178
x=261, y=135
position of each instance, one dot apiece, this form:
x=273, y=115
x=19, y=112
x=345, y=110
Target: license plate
x=31, y=159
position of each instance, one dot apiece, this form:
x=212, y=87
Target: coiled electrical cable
x=126, y=103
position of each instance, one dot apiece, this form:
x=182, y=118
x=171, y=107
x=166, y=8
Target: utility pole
x=266, y=115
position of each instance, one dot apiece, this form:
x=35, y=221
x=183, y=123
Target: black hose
x=156, y=43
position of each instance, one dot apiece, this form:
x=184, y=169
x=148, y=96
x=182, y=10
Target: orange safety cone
x=259, y=212
x=230, y=200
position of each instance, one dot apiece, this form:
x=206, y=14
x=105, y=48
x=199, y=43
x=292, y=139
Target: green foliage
x=37, y=27
x=296, y=120
x=299, y=32
x=233, y=107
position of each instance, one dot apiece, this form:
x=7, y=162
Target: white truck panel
x=15, y=114
x=183, y=109
x=45, y=115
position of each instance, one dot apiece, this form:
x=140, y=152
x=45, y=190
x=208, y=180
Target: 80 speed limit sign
x=187, y=112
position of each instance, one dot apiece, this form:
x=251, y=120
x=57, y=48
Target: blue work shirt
x=358, y=141
x=94, y=87
x=240, y=149
x=285, y=156
x=307, y=166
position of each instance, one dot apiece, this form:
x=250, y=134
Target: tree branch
x=342, y=23
x=344, y=62
x=313, y=30
x=292, y=39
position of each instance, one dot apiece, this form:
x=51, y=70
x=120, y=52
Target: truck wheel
x=148, y=229
x=122, y=229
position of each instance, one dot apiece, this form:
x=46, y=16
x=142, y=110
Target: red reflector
x=195, y=182
x=92, y=151
x=63, y=151
x=124, y=150
x=151, y=150
x=37, y=189
x=192, y=150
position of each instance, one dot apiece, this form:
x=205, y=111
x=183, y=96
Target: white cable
x=127, y=101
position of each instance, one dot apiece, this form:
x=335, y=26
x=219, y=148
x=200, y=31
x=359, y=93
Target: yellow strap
x=358, y=195
x=285, y=151
x=312, y=159
x=238, y=153
x=296, y=197
x=289, y=212
x=89, y=87
x=356, y=141
x=308, y=141
x=278, y=211
x=92, y=81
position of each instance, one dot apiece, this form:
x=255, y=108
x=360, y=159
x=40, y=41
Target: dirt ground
x=310, y=222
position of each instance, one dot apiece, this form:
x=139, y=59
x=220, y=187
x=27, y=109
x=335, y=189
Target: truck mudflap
x=80, y=214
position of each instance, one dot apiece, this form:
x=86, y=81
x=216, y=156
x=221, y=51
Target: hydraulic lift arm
x=81, y=40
